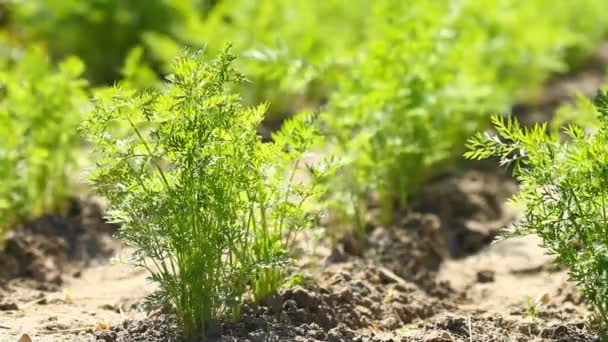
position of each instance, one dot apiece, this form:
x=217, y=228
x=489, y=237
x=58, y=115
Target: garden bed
x=433, y=277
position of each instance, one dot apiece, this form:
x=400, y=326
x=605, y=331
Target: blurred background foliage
x=100, y=32
x=294, y=51
x=401, y=84
x=41, y=107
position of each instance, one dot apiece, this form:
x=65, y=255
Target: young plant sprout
x=209, y=207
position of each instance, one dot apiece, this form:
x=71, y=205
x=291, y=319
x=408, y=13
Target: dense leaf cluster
x=210, y=208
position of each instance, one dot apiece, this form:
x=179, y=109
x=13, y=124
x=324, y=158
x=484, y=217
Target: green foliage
x=136, y=72
x=293, y=48
x=298, y=50
x=101, y=32
x=40, y=110
x=428, y=76
x=303, y=47
x=582, y=112
x=563, y=192
x=210, y=208
x=290, y=45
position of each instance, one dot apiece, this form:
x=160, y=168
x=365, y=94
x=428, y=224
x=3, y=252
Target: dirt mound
x=454, y=216
x=45, y=248
x=470, y=208
x=414, y=249
x=367, y=295
x=153, y=330
x=352, y=301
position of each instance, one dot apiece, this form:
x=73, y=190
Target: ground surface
x=434, y=276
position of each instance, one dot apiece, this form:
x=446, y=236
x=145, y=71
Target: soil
x=47, y=248
x=436, y=275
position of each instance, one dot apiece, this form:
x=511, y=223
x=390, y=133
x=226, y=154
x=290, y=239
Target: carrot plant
x=40, y=110
x=563, y=192
x=209, y=207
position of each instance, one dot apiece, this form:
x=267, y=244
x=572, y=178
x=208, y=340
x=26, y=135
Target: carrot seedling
x=209, y=207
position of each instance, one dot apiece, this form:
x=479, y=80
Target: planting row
x=391, y=92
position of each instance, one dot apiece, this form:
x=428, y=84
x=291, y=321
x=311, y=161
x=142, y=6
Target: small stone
x=108, y=307
x=383, y=338
x=485, y=276
x=315, y=331
x=340, y=334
